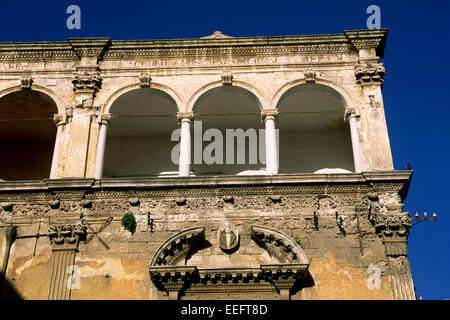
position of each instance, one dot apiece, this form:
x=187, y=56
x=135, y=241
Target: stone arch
x=172, y=93
x=312, y=127
x=34, y=87
x=347, y=98
x=143, y=122
x=262, y=99
x=230, y=117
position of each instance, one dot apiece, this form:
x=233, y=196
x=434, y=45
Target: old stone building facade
x=87, y=131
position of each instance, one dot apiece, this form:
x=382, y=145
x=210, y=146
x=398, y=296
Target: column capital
x=184, y=116
x=268, y=114
x=104, y=119
x=65, y=237
x=61, y=119
x=350, y=113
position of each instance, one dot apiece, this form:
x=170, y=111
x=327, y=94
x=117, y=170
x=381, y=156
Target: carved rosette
x=370, y=74
x=394, y=231
x=66, y=236
x=85, y=82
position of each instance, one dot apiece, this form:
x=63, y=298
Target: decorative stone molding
x=227, y=78
x=370, y=74
x=85, y=82
x=26, y=82
x=145, y=80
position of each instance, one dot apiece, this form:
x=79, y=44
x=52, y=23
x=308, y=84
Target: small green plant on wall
x=298, y=241
x=129, y=222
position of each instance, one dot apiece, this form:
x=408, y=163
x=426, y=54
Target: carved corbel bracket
x=370, y=74
x=86, y=82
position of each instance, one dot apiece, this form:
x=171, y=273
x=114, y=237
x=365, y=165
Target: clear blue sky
x=416, y=91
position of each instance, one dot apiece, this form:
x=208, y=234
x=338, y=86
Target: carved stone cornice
x=89, y=47
x=85, y=82
x=370, y=74
x=92, y=50
x=368, y=39
x=65, y=237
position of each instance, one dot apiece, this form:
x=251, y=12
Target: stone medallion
x=228, y=237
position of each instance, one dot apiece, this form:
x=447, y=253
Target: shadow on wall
x=8, y=292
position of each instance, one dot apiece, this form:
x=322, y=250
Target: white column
x=184, y=163
x=60, y=120
x=271, y=142
x=103, y=124
x=351, y=118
